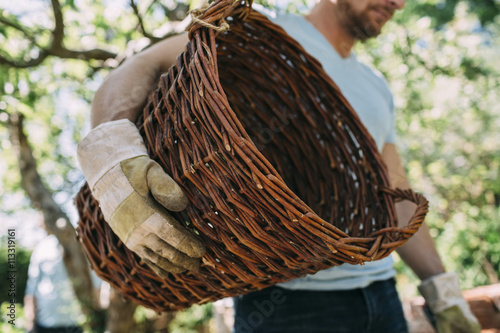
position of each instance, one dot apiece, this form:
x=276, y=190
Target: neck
x=326, y=19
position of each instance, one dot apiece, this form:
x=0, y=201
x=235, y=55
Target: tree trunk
x=120, y=314
x=55, y=219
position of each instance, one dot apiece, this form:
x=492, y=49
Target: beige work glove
x=134, y=194
x=451, y=311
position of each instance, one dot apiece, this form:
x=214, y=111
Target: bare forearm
x=419, y=253
x=125, y=90
x=29, y=312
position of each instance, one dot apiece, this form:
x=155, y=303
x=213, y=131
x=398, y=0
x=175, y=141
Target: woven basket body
x=282, y=177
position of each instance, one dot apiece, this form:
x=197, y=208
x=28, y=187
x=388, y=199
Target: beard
x=359, y=24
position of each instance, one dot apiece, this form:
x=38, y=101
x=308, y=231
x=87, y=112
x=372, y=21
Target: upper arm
x=124, y=92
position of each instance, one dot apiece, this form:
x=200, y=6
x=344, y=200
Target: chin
x=371, y=30
x=363, y=35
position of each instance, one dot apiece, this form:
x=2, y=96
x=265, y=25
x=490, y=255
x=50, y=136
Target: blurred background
x=442, y=61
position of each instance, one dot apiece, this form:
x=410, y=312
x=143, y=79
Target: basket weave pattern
x=283, y=179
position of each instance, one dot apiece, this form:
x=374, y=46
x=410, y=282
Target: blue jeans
x=374, y=309
x=59, y=329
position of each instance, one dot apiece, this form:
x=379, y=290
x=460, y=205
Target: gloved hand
x=452, y=312
x=134, y=194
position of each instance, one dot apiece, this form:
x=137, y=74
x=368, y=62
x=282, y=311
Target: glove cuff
x=442, y=291
x=107, y=145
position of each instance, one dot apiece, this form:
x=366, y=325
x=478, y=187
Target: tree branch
x=93, y=54
x=56, y=47
x=55, y=219
x=26, y=64
x=141, y=23
x=58, y=32
x=28, y=34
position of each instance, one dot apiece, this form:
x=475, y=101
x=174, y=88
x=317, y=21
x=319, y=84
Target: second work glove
x=451, y=311
x=134, y=194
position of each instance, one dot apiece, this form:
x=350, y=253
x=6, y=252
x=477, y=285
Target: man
x=342, y=299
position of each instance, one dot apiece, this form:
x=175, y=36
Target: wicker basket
x=282, y=177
